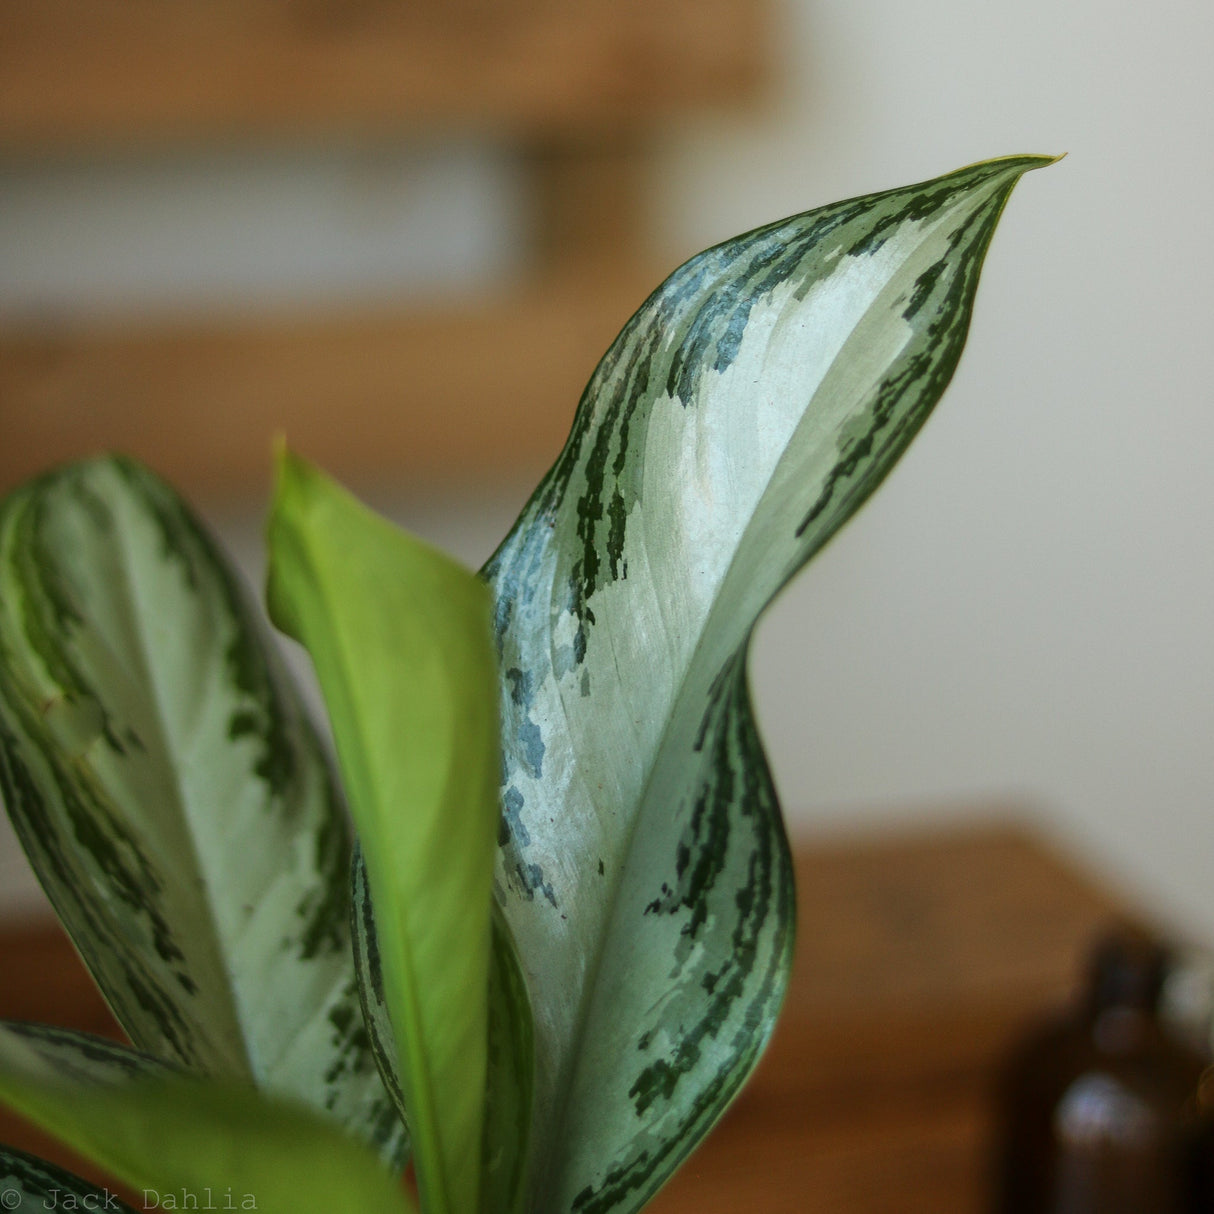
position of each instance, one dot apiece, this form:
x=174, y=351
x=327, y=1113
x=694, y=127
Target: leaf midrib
x=686, y=684
x=183, y=803
x=425, y=1136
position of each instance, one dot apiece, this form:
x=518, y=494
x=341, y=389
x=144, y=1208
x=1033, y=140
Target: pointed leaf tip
x=744, y=414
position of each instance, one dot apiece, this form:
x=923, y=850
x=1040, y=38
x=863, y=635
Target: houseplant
x=566, y=937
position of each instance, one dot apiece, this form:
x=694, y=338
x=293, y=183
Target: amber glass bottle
x=1098, y=1108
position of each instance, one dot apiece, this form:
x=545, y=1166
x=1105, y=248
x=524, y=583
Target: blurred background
x=405, y=239
x=405, y=233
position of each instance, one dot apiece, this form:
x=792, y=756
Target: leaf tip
x=292, y=478
x=291, y=472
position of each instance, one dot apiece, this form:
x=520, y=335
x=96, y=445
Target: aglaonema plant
x=554, y=940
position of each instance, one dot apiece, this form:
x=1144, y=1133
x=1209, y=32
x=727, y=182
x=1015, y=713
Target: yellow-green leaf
x=188, y=1136
x=402, y=645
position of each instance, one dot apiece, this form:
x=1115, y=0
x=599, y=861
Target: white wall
x=1024, y=613
x=252, y=229
x=1027, y=608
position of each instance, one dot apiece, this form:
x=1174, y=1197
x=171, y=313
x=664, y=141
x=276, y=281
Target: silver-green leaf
x=742, y=416
x=29, y=1185
x=82, y=1058
x=171, y=795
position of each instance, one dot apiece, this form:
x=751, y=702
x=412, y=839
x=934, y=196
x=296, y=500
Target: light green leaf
x=400, y=638
x=741, y=417
x=70, y=1059
x=29, y=1185
x=511, y=1063
x=187, y=1136
x=171, y=795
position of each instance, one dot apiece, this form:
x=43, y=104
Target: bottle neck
x=1121, y=1029
x=1125, y=977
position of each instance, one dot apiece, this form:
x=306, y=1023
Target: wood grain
x=81, y=72
x=915, y=957
x=402, y=396
x=588, y=208
x=919, y=958
x=899, y=1158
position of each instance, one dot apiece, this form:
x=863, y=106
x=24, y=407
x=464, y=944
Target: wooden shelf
x=574, y=87
x=403, y=397
x=918, y=959
x=79, y=72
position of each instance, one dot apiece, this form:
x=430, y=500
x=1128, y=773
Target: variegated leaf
x=82, y=1058
x=29, y=1185
x=510, y=1082
x=742, y=416
x=370, y=975
x=171, y=795
x=510, y=1078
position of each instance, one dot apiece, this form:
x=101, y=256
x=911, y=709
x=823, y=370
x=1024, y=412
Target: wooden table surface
x=918, y=959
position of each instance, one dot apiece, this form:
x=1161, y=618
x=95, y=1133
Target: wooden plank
x=918, y=957
x=896, y=938
x=898, y=1158
x=44, y=981
x=76, y=72
x=401, y=397
x=588, y=206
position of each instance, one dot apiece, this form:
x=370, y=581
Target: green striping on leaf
x=171, y=795
x=179, y=1135
x=511, y=1061
x=510, y=1083
x=82, y=1058
x=29, y=1185
x=742, y=416
x=370, y=975
x=400, y=637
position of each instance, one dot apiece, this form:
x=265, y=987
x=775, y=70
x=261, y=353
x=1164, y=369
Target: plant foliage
x=573, y=906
